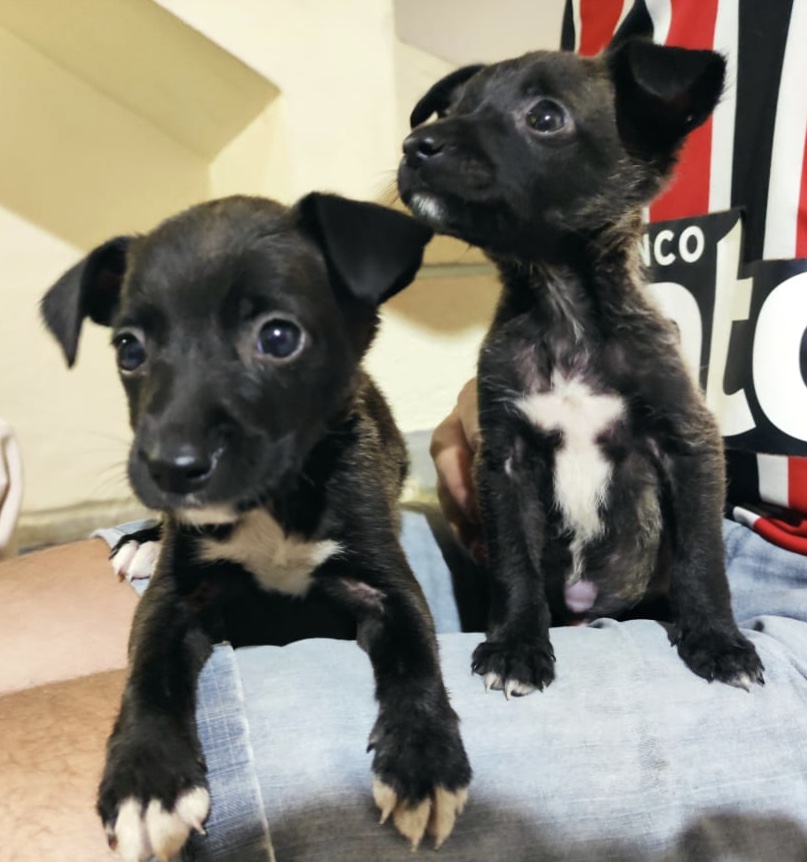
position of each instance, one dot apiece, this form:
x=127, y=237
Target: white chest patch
x=582, y=472
x=277, y=561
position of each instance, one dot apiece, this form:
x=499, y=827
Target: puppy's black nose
x=181, y=471
x=420, y=147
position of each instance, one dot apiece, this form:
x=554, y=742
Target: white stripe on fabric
x=744, y=516
x=772, y=470
x=660, y=12
x=627, y=5
x=725, y=41
x=787, y=156
x=578, y=24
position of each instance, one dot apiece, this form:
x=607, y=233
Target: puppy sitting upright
x=239, y=327
x=600, y=473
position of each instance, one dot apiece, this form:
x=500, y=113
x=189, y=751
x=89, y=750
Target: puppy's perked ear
x=90, y=289
x=373, y=251
x=440, y=96
x=662, y=94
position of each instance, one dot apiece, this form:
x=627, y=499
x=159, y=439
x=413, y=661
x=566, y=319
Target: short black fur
x=304, y=446
x=545, y=162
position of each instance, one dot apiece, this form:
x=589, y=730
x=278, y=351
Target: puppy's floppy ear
x=373, y=251
x=90, y=289
x=662, y=94
x=440, y=95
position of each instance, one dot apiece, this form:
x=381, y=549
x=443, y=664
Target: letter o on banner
x=778, y=382
x=690, y=255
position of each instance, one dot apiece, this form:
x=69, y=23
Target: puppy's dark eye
x=279, y=338
x=547, y=117
x=131, y=353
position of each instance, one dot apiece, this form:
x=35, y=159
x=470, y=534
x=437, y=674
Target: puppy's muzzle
x=184, y=469
x=445, y=158
x=421, y=146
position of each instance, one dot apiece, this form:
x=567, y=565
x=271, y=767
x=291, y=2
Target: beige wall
x=275, y=98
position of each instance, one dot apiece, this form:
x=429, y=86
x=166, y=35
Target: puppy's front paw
x=515, y=667
x=149, y=800
x=724, y=656
x=145, y=829
x=135, y=555
x=420, y=776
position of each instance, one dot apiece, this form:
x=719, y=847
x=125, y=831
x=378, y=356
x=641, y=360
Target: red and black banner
x=751, y=152
x=743, y=330
x=735, y=285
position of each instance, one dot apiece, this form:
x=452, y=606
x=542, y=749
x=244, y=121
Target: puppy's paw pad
x=728, y=658
x=517, y=669
x=434, y=816
x=145, y=830
x=135, y=561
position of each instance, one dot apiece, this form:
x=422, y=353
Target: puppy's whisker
x=389, y=195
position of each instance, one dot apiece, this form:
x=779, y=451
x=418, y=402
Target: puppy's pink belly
x=580, y=596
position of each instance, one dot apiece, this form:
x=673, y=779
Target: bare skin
x=453, y=445
x=64, y=623
x=63, y=614
x=51, y=757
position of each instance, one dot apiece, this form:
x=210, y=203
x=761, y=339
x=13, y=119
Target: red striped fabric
x=797, y=483
x=598, y=21
x=692, y=26
x=788, y=536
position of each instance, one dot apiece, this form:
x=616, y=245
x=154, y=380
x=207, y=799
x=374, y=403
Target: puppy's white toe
x=140, y=833
x=493, y=681
x=516, y=688
x=742, y=680
x=129, y=837
x=145, y=559
x=123, y=557
x=447, y=806
x=193, y=807
x=385, y=798
x=435, y=815
x=411, y=822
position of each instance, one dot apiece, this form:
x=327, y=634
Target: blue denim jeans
x=624, y=752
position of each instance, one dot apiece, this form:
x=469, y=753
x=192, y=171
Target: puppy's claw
x=746, y=681
x=385, y=799
x=445, y=810
x=435, y=815
x=492, y=682
x=516, y=688
x=193, y=807
x=412, y=822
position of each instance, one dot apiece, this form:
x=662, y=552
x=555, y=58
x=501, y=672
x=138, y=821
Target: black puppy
x=239, y=327
x=600, y=474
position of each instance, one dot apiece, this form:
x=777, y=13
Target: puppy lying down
x=239, y=327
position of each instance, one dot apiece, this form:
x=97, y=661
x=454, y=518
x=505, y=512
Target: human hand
x=454, y=443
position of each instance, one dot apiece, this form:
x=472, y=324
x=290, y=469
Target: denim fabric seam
x=268, y=847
